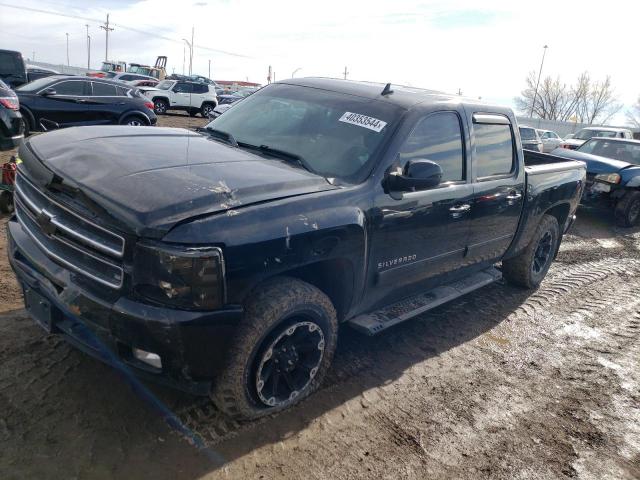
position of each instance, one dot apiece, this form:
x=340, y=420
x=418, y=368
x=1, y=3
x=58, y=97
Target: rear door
x=68, y=107
x=498, y=187
x=105, y=104
x=419, y=235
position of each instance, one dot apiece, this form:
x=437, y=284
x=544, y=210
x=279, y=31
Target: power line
x=121, y=26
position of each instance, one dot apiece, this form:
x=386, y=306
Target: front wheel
x=282, y=351
x=532, y=264
x=627, y=210
x=160, y=106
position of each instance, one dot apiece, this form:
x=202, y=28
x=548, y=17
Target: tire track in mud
x=562, y=293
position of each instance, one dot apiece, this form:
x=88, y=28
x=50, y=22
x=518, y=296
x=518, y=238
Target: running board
x=375, y=322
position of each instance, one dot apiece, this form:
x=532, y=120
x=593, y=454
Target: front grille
x=67, y=238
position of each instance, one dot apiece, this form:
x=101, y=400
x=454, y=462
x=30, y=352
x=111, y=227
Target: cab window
x=437, y=138
x=494, y=150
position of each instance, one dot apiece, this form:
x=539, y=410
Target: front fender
x=272, y=239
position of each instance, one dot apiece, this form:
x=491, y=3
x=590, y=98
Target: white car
x=591, y=132
x=192, y=97
x=550, y=140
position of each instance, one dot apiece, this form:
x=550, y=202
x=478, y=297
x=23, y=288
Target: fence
x=561, y=128
x=67, y=70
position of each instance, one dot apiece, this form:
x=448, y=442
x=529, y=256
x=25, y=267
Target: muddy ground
x=503, y=384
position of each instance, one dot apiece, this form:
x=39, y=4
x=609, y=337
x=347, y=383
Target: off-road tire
x=271, y=308
x=519, y=270
x=160, y=106
x=627, y=210
x=6, y=202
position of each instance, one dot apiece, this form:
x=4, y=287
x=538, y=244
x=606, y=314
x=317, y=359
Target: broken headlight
x=608, y=177
x=188, y=277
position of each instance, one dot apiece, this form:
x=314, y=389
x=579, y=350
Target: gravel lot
x=502, y=384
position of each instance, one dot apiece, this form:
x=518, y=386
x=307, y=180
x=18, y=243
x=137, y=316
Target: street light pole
x=535, y=94
x=88, y=48
x=190, y=54
x=67, y=48
x=295, y=71
x=209, y=69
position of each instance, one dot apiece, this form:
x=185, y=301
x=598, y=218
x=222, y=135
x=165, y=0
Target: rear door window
x=494, y=150
x=104, y=90
x=437, y=138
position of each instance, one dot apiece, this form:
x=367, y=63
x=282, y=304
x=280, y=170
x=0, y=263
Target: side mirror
x=48, y=92
x=417, y=175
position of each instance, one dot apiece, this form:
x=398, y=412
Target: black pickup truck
x=223, y=261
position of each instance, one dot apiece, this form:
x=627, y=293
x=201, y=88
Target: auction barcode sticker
x=363, y=121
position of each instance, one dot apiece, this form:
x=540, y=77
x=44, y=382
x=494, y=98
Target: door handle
x=514, y=196
x=81, y=100
x=458, y=211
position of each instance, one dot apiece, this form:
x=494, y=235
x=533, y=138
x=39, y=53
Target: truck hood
x=149, y=178
x=595, y=163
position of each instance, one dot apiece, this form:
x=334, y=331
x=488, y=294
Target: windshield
x=165, y=85
x=336, y=135
x=527, y=134
x=587, y=134
x=36, y=84
x=624, y=151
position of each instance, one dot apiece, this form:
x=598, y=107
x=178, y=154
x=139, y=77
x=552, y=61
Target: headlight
x=189, y=278
x=608, y=177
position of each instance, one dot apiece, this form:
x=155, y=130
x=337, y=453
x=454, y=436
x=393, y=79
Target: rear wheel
x=6, y=202
x=26, y=127
x=627, y=210
x=160, y=106
x=532, y=264
x=134, y=121
x=207, y=109
x=282, y=351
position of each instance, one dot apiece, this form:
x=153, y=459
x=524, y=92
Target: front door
x=498, y=188
x=416, y=236
x=182, y=92
x=67, y=107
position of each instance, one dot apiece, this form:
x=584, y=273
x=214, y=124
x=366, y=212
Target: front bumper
x=192, y=345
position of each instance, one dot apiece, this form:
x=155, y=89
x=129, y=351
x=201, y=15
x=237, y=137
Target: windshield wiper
x=276, y=152
x=221, y=134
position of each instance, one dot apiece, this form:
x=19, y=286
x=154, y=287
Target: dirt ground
x=502, y=384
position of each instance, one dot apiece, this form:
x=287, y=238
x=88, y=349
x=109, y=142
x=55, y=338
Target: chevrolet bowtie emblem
x=44, y=220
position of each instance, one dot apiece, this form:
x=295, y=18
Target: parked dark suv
x=12, y=68
x=10, y=118
x=65, y=101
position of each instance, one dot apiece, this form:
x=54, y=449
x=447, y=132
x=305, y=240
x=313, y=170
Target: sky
x=485, y=49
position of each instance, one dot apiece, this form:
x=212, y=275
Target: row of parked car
x=38, y=99
x=612, y=157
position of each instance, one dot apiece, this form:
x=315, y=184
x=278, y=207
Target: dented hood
x=151, y=178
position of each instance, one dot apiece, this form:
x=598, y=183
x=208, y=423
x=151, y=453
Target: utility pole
x=459, y=91
x=269, y=75
x=67, y=48
x=535, y=94
x=106, y=29
x=88, y=47
x=184, y=56
x=209, y=69
x=191, y=57
x=345, y=73
x=33, y=57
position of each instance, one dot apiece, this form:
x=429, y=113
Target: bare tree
x=633, y=114
x=588, y=101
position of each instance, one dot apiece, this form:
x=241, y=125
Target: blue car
x=613, y=175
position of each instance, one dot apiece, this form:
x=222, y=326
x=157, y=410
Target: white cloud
x=486, y=49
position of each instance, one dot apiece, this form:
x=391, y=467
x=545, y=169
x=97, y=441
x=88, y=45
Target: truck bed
x=537, y=163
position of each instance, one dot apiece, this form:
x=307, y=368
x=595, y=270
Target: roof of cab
x=402, y=96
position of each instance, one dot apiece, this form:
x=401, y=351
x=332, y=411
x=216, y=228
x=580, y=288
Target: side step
x=375, y=322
